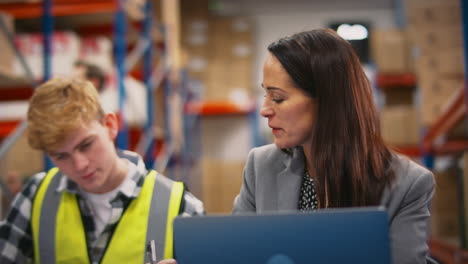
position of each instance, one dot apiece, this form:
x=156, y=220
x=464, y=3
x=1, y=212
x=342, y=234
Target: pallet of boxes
x=18, y=160
x=219, y=55
x=436, y=36
x=391, y=52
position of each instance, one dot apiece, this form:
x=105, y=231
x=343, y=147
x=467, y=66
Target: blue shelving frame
x=120, y=30
x=47, y=32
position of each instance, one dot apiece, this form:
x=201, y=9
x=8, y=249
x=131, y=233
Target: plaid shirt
x=16, y=244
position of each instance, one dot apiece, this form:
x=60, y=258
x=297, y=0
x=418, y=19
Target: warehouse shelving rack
x=385, y=81
x=22, y=88
x=435, y=144
x=225, y=107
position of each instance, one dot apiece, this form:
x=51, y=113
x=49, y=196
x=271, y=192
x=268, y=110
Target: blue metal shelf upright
x=120, y=51
x=47, y=32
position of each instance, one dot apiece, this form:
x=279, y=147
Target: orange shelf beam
x=15, y=93
x=412, y=151
x=218, y=108
x=6, y=127
x=59, y=8
x=448, y=254
x=390, y=80
x=451, y=147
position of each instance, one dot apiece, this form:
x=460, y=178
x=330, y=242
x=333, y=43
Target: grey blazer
x=272, y=180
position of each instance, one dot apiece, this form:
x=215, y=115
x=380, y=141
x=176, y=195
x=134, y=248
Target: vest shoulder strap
x=165, y=206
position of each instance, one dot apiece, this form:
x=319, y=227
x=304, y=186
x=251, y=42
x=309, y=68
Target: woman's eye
x=277, y=100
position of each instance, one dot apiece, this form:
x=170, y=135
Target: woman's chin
x=283, y=145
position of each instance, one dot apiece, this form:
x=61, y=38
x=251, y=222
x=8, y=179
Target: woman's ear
x=112, y=123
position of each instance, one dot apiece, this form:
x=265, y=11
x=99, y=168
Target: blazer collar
x=289, y=180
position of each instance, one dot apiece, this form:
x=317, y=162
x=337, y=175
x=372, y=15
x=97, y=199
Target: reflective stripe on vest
x=59, y=235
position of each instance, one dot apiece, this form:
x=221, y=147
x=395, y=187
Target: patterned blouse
x=308, y=196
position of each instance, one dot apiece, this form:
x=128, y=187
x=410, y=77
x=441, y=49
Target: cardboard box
x=97, y=50
x=397, y=96
x=438, y=87
x=400, y=126
x=230, y=67
x=465, y=193
x=222, y=181
x=430, y=111
x=442, y=63
x=444, y=207
x=435, y=95
x=7, y=53
x=434, y=38
x=219, y=51
x=65, y=51
x=218, y=73
x=390, y=51
x=194, y=8
x=195, y=31
x=434, y=12
x=22, y=159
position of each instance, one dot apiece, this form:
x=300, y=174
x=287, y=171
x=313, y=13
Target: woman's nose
x=266, y=110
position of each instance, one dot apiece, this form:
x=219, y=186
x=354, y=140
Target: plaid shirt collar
x=129, y=189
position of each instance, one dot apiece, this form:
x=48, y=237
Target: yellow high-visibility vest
x=59, y=235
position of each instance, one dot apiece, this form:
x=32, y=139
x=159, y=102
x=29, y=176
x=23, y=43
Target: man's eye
x=60, y=157
x=86, y=146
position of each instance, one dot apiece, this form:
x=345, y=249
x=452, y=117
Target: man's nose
x=80, y=161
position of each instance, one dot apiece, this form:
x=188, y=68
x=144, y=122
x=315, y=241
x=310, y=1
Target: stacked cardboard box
x=225, y=144
x=435, y=27
x=65, y=51
x=399, y=125
x=230, y=63
x=22, y=159
x=219, y=58
x=219, y=52
x=445, y=205
x=391, y=51
x=6, y=50
x=391, y=54
x=221, y=183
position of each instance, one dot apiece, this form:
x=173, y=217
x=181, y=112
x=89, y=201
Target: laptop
x=327, y=236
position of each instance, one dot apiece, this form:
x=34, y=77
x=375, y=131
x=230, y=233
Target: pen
x=153, y=252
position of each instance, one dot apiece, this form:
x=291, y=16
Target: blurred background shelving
x=424, y=114
x=34, y=9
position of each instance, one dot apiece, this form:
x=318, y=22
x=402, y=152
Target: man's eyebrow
x=51, y=153
x=84, y=140
x=55, y=154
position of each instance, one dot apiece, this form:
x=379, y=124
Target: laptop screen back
x=353, y=235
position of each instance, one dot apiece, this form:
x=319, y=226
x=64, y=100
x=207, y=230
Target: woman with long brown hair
x=328, y=151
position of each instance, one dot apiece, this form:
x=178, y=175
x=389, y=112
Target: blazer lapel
x=289, y=181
